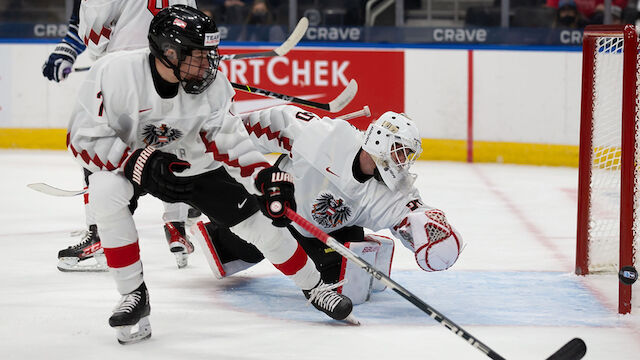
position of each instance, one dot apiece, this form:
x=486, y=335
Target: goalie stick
x=573, y=350
x=296, y=35
x=334, y=105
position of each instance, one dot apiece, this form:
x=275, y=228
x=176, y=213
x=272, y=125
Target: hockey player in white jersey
x=345, y=181
x=174, y=87
x=105, y=26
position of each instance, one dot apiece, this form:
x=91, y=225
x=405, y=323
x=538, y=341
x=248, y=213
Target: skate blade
x=125, y=335
x=73, y=265
x=182, y=260
x=351, y=320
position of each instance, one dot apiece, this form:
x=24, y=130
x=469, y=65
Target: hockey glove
x=58, y=65
x=277, y=191
x=153, y=171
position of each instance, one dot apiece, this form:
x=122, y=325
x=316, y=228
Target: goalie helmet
x=394, y=143
x=185, y=29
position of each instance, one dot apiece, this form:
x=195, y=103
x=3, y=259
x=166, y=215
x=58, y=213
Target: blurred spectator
x=587, y=8
x=259, y=14
x=231, y=11
x=260, y=24
x=568, y=16
x=616, y=16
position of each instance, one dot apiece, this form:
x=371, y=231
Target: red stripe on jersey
x=296, y=262
x=285, y=142
x=86, y=196
x=84, y=155
x=122, y=256
x=218, y=156
x=95, y=37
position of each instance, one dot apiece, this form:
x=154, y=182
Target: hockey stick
x=364, y=112
x=296, y=35
x=54, y=191
x=573, y=350
x=283, y=49
x=334, y=105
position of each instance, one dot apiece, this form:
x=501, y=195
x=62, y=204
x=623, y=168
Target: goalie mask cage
x=607, y=233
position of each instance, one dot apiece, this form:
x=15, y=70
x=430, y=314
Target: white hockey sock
x=280, y=248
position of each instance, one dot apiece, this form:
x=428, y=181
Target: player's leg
x=74, y=257
x=111, y=195
x=357, y=283
x=228, y=203
x=174, y=217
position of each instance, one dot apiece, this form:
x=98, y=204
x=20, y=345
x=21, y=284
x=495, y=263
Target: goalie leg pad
x=221, y=266
x=384, y=257
x=358, y=282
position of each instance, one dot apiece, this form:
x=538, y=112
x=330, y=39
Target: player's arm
x=97, y=18
x=435, y=243
x=60, y=61
x=90, y=138
x=275, y=129
x=230, y=144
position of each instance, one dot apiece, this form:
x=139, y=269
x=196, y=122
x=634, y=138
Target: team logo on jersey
x=329, y=211
x=160, y=136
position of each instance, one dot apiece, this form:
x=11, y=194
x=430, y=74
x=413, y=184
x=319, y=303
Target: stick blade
x=573, y=350
x=54, y=191
x=294, y=38
x=345, y=97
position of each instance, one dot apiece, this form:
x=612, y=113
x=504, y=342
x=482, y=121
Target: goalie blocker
x=437, y=246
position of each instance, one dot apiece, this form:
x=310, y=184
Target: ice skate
x=179, y=245
x=326, y=299
x=193, y=216
x=131, y=317
x=74, y=258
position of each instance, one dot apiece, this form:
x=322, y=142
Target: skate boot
x=193, y=216
x=178, y=243
x=133, y=309
x=326, y=299
x=74, y=257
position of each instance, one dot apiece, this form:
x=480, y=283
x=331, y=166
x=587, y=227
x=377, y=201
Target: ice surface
x=512, y=288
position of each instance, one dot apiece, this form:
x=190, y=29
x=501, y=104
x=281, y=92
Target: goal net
x=608, y=221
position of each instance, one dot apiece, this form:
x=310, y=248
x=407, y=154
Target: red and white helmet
x=394, y=143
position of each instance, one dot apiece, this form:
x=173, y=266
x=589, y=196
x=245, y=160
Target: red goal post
x=607, y=226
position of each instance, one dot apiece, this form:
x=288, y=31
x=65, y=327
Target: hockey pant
x=218, y=196
x=227, y=254
x=172, y=212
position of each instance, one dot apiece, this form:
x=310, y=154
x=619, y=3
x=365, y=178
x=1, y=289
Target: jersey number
x=152, y=5
x=101, y=108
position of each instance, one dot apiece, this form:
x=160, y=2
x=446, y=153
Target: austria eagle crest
x=330, y=212
x=160, y=136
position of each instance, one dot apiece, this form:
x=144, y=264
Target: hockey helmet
x=394, y=143
x=185, y=29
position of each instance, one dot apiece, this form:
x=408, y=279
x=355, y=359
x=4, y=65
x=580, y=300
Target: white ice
x=513, y=286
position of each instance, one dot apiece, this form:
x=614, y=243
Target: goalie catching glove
x=277, y=191
x=436, y=244
x=153, y=171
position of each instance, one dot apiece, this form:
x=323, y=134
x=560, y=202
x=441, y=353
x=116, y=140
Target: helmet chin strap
x=376, y=175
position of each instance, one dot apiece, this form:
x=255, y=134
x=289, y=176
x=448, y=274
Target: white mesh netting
x=604, y=210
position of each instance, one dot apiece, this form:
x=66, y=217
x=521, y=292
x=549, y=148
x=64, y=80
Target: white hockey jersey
x=322, y=153
x=113, y=25
x=118, y=111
